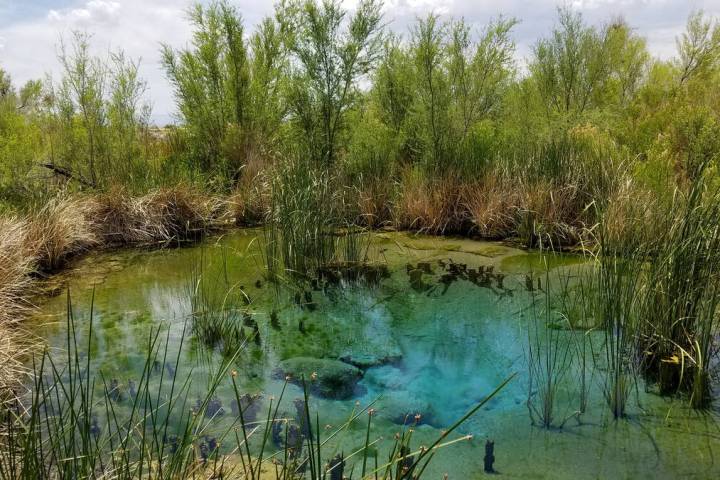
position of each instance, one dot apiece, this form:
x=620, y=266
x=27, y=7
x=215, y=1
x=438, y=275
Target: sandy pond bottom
x=433, y=341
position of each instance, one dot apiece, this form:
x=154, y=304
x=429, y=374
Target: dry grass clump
x=374, y=204
x=15, y=285
x=631, y=213
x=250, y=201
x=499, y=207
x=492, y=207
x=11, y=365
x=551, y=215
x=67, y=226
x=15, y=266
x=428, y=206
x=180, y=213
x=163, y=216
x=64, y=227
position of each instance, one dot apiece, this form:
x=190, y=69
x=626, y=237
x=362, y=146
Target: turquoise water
x=447, y=324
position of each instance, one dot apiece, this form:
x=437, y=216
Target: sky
x=31, y=29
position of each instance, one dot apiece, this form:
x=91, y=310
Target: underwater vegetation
x=75, y=423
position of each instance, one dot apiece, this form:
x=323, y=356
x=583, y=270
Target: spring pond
x=434, y=334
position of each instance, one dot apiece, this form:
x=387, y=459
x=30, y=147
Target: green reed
x=219, y=310
x=682, y=293
x=549, y=354
x=311, y=223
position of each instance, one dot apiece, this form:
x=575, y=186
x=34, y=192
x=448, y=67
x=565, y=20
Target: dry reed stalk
x=64, y=227
x=15, y=287
x=250, y=202
x=374, y=204
x=431, y=207
x=492, y=206
x=556, y=212
x=162, y=216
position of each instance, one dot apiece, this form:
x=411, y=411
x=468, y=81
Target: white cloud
x=418, y=7
x=94, y=13
x=2, y=43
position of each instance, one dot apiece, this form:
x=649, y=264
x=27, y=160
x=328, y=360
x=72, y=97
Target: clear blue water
x=432, y=343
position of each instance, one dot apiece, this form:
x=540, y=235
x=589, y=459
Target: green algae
x=538, y=263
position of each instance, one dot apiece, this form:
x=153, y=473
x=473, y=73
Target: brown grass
x=428, y=206
x=632, y=213
x=63, y=228
x=15, y=266
x=250, y=201
x=15, y=284
x=374, y=200
x=556, y=213
x=492, y=207
x=164, y=216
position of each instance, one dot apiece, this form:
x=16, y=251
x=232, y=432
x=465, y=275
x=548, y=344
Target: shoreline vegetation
x=320, y=120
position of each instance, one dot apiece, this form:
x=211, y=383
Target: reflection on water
x=446, y=325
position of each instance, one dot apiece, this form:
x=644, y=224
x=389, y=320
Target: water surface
x=447, y=324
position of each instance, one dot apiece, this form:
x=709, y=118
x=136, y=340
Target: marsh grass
x=609, y=299
x=219, y=309
x=74, y=423
x=550, y=356
x=311, y=223
x=166, y=216
x=682, y=294
x=63, y=228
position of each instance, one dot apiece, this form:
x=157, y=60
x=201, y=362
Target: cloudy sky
x=30, y=29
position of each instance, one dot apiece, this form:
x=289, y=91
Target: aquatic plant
x=617, y=286
x=310, y=224
x=75, y=424
x=219, y=310
x=549, y=358
x=682, y=293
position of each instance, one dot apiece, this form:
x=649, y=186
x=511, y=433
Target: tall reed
x=549, y=356
x=683, y=292
x=311, y=223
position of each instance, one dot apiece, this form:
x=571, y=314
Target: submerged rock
x=301, y=417
x=250, y=405
x=416, y=280
x=334, y=379
x=212, y=409
x=405, y=408
x=365, y=360
x=489, y=458
x=275, y=320
x=337, y=467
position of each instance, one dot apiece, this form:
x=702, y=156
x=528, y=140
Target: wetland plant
x=549, y=358
x=75, y=423
x=682, y=294
x=610, y=292
x=219, y=310
x=310, y=224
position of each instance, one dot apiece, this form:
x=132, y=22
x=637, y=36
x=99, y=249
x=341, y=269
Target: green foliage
x=331, y=54
x=211, y=82
x=580, y=68
x=19, y=137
